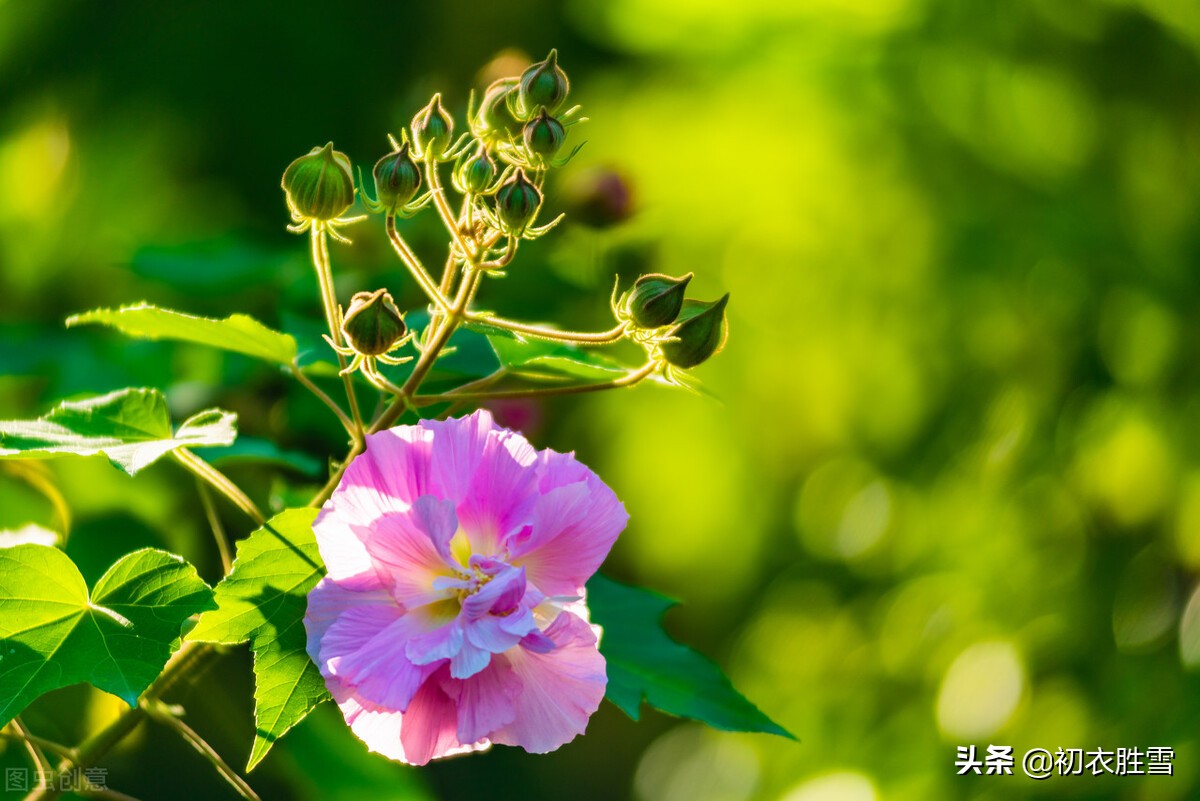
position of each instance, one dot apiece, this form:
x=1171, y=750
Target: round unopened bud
x=543, y=135
x=656, y=300
x=319, y=185
x=701, y=333
x=432, y=128
x=517, y=201
x=476, y=173
x=597, y=197
x=373, y=324
x=397, y=179
x=494, y=122
x=543, y=84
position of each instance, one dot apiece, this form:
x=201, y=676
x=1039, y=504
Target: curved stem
x=609, y=337
x=157, y=710
x=20, y=732
x=627, y=380
x=219, y=482
x=466, y=291
x=95, y=747
x=321, y=395
x=414, y=265
x=443, y=206
x=214, y=522
x=320, y=259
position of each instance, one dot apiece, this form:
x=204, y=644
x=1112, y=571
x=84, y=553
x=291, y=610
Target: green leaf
x=130, y=426
x=645, y=664
x=263, y=601
x=52, y=634
x=537, y=358
x=237, y=333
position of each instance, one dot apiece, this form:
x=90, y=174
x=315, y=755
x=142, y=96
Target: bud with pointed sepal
x=432, y=128
x=517, y=202
x=542, y=84
x=494, y=121
x=543, y=136
x=373, y=324
x=656, y=300
x=397, y=179
x=319, y=185
x=476, y=173
x=700, y=333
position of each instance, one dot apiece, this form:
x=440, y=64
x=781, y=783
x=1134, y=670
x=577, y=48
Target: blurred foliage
x=952, y=494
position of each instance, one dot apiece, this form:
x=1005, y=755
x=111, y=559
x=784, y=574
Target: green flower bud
x=432, y=128
x=320, y=185
x=656, y=300
x=543, y=84
x=700, y=333
x=476, y=173
x=397, y=179
x=543, y=135
x=494, y=121
x=517, y=201
x=373, y=324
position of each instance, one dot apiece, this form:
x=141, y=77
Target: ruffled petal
x=487, y=472
x=485, y=702
x=560, y=690
x=430, y=727
x=411, y=549
x=364, y=648
x=572, y=529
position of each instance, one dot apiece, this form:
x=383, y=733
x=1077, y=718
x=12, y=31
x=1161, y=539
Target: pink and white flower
x=452, y=615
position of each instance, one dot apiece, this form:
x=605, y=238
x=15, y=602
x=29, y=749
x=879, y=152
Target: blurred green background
x=951, y=494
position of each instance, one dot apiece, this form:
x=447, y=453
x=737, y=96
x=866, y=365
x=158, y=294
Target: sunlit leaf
x=263, y=601
x=53, y=634
x=645, y=664
x=237, y=333
x=130, y=426
x=536, y=358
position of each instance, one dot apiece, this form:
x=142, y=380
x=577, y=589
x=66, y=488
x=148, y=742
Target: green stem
x=320, y=259
x=214, y=522
x=443, y=207
x=219, y=482
x=414, y=265
x=308, y=384
x=609, y=337
x=158, y=711
x=627, y=380
x=466, y=291
x=95, y=747
x=20, y=732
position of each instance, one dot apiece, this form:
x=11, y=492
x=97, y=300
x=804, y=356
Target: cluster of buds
x=677, y=332
x=515, y=135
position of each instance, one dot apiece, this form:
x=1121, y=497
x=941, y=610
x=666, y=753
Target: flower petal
x=485, y=702
x=364, y=648
x=560, y=690
x=411, y=549
x=430, y=724
x=487, y=472
x=572, y=529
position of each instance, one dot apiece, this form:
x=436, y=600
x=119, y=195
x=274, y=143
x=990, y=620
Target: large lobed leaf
x=132, y=427
x=263, y=601
x=645, y=664
x=118, y=638
x=237, y=333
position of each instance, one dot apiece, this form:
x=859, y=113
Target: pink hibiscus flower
x=452, y=615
